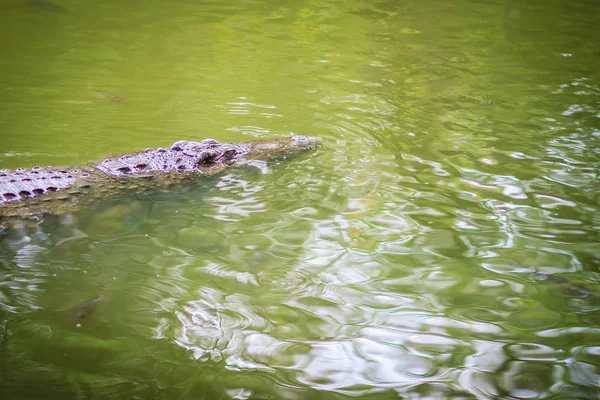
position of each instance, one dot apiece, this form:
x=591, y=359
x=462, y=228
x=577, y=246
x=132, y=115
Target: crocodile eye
x=229, y=154
x=206, y=158
x=141, y=165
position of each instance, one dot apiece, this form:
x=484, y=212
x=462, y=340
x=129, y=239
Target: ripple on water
x=535, y=320
x=534, y=351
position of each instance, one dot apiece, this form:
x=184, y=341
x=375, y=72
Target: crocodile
x=37, y=191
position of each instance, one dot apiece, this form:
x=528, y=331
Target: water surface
x=442, y=243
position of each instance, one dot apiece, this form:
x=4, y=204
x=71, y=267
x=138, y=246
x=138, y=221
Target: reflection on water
x=442, y=243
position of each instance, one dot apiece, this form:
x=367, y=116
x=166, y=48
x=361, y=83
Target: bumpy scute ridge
x=27, y=183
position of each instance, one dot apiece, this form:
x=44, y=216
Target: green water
x=442, y=243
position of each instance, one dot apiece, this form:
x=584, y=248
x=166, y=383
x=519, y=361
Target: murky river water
x=442, y=243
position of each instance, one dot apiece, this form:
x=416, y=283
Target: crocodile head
x=187, y=156
x=210, y=152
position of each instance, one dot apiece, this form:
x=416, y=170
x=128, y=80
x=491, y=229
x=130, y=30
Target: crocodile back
x=24, y=183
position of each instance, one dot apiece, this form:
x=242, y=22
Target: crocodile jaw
x=284, y=147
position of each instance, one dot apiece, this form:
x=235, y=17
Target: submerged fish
x=85, y=309
x=569, y=287
x=3, y=332
x=115, y=98
x=46, y=5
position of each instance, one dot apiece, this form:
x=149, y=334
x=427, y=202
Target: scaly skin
x=38, y=191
